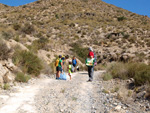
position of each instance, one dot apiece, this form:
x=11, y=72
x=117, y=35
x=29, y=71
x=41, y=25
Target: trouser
x=90, y=72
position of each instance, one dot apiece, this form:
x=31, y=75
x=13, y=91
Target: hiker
x=90, y=64
x=59, y=66
x=74, y=63
x=64, y=58
x=70, y=69
x=92, y=55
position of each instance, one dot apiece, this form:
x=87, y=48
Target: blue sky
x=137, y=6
x=141, y=7
x=16, y=2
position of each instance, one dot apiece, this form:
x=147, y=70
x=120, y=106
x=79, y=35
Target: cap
x=90, y=48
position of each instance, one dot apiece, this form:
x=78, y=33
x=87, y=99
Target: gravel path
x=75, y=96
x=54, y=96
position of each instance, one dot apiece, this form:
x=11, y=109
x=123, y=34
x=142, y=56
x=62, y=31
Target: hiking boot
x=89, y=80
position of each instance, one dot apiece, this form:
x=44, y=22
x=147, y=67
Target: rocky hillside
x=47, y=28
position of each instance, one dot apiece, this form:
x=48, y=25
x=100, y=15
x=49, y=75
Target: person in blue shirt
x=74, y=63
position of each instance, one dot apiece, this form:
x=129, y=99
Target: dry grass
x=139, y=71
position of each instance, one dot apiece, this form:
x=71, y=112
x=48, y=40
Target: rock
x=8, y=77
x=141, y=95
x=1, y=80
x=115, y=104
x=3, y=71
x=131, y=80
x=118, y=108
x=9, y=65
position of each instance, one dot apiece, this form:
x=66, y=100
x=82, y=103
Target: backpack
x=74, y=61
x=57, y=62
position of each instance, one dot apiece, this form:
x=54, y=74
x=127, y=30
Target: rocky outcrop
x=6, y=71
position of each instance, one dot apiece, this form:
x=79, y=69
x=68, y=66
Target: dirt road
x=48, y=95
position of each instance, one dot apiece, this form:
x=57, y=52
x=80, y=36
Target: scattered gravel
x=48, y=95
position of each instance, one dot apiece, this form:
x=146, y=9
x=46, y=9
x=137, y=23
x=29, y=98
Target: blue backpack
x=62, y=76
x=74, y=61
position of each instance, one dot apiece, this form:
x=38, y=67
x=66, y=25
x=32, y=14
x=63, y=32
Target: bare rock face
x=3, y=71
x=8, y=77
x=6, y=69
x=9, y=65
x=13, y=43
x=1, y=80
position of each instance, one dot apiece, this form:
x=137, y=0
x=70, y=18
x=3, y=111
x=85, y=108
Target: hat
x=70, y=61
x=90, y=48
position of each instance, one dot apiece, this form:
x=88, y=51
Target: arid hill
x=47, y=28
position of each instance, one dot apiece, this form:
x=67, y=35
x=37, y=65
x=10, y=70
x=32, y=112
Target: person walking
x=59, y=66
x=74, y=63
x=90, y=64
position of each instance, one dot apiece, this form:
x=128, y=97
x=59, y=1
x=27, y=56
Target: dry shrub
x=118, y=70
x=28, y=28
x=107, y=76
x=139, y=71
x=46, y=68
x=28, y=62
x=21, y=77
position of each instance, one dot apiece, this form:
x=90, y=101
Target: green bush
x=107, y=76
x=142, y=74
x=28, y=62
x=121, y=18
x=6, y=86
x=118, y=70
x=41, y=43
x=80, y=51
x=20, y=77
x=7, y=35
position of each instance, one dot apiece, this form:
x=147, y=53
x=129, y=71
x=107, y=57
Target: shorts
x=74, y=65
x=58, y=68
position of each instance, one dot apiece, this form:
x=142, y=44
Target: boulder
x=3, y=71
x=9, y=65
x=8, y=77
x=1, y=80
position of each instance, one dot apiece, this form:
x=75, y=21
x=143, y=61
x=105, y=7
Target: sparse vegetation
x=21, y=77
x=74, y=98
x=7, y=35
x=79, y=51
x=139, y=71
x=27, y=28
x=41, y=43
x=105, y=91
x=129, y=93
x=62, y=91
x=6, y=86
x=121, y=18
x=107, y=76
x=28, y=62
